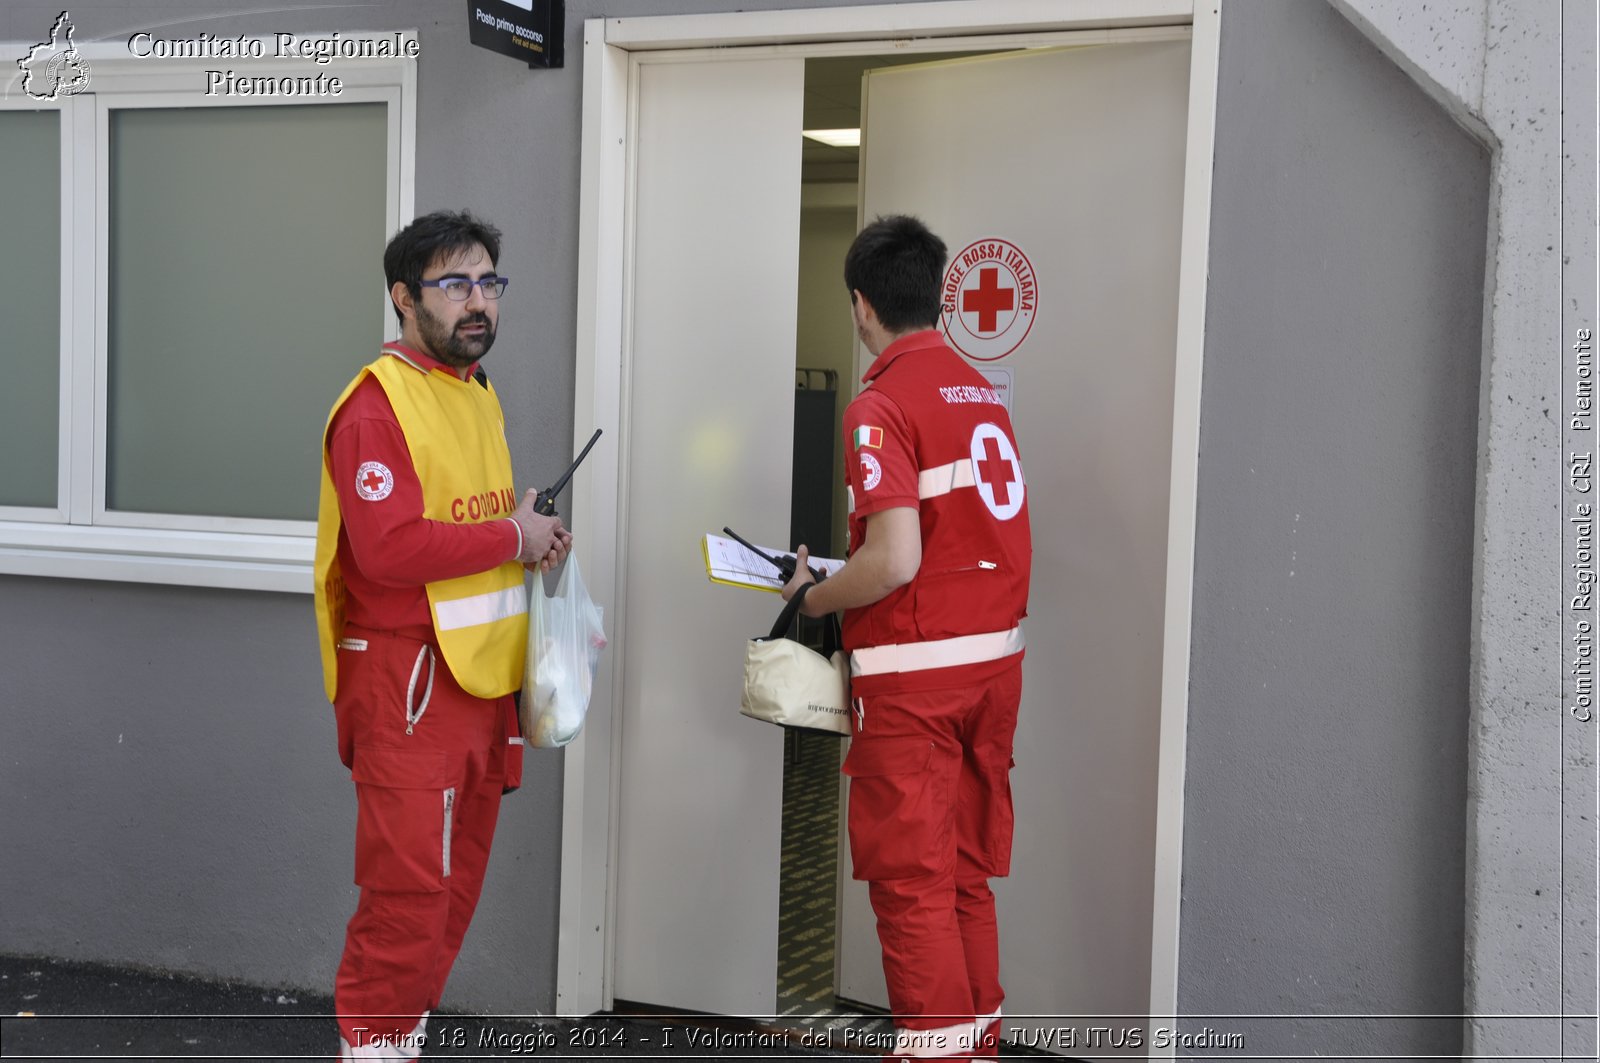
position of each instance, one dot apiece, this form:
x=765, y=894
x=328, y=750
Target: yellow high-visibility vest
x=456, y=434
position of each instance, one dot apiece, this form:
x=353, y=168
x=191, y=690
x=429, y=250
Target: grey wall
x=167, y=763
x=172, y=797
x=1325, y=823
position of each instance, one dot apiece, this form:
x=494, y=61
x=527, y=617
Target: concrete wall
x=167, y=762
x=1579, y=977
x=1497, y=66
x=1325, y=801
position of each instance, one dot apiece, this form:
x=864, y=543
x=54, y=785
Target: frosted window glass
x=246, y=282
x=30, y=306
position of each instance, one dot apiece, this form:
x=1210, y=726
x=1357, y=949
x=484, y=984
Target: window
x=188, y=280
x=30, y=284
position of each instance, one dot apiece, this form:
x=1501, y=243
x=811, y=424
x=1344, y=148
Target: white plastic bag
x=565, y=638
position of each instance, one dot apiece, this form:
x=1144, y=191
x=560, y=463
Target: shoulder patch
x=374, y=481
x=868, y=436
x=871, y=472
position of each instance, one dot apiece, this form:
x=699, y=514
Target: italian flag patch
x=867, y=436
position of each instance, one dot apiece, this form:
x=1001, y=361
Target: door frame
x=614, y=48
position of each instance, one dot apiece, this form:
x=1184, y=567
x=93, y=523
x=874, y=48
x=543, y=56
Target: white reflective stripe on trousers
x=960, y=1039
x=936, y=653
x=407, y=1046
x=481, y=608
x=931, y=483
x=985, y=1022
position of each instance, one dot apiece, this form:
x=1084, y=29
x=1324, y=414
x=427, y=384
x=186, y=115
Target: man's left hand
x=545, y=541
x=558, y=553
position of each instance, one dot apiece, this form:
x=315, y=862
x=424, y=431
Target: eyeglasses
x=458, y=289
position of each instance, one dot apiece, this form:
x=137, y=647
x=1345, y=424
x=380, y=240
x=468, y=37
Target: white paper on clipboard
x=730, y=563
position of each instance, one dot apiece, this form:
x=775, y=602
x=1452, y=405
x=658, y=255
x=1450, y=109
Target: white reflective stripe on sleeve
x=937, y=653
x=481, y=608
x=931, y=483
x=957, y=1040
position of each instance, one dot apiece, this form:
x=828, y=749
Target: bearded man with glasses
x=422, y=619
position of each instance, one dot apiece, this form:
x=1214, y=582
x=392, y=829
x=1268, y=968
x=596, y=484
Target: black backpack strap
x=832, y=636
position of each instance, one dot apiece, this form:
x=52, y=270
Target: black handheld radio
x=544, y=503
x=784, y=563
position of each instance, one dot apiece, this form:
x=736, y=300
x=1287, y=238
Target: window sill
x=135, y=555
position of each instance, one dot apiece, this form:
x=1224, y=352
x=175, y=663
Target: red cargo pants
x=930, y=823
x=428, y=787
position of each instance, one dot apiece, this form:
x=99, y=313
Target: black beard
x=451, y=347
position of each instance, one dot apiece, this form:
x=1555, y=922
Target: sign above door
x=529, y=30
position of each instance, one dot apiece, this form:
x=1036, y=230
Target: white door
x=709, y=401
x=1066, y=168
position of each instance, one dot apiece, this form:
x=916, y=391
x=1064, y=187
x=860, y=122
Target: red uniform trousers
x=930, y=823
x=427, y=803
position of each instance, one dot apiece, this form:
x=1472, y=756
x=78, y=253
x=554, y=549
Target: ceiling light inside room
x=835, y=138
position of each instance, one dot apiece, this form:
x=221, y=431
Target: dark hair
x=898, y=265
x=441, y=234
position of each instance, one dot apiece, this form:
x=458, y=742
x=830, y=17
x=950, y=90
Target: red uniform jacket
x=929, y=432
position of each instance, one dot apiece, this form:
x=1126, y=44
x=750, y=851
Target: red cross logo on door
x=997, y=471
x=990, y=296
x=988, y=299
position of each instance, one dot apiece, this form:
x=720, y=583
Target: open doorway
x=692, y=360
x=1055, y=175
x=826, y=379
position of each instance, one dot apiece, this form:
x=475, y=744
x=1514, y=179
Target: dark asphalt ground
x=52, y=1009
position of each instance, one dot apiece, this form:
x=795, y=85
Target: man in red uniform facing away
x=933, y=594
x=422, y=619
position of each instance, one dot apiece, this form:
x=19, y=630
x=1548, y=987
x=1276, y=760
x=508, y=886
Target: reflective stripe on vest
x=937, y=653
x=480, y=608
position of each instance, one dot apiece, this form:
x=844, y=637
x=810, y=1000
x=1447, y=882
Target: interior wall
x=825, y=332
x=1325, y=826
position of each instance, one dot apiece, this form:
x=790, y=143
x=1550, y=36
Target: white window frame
x=79, y=537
